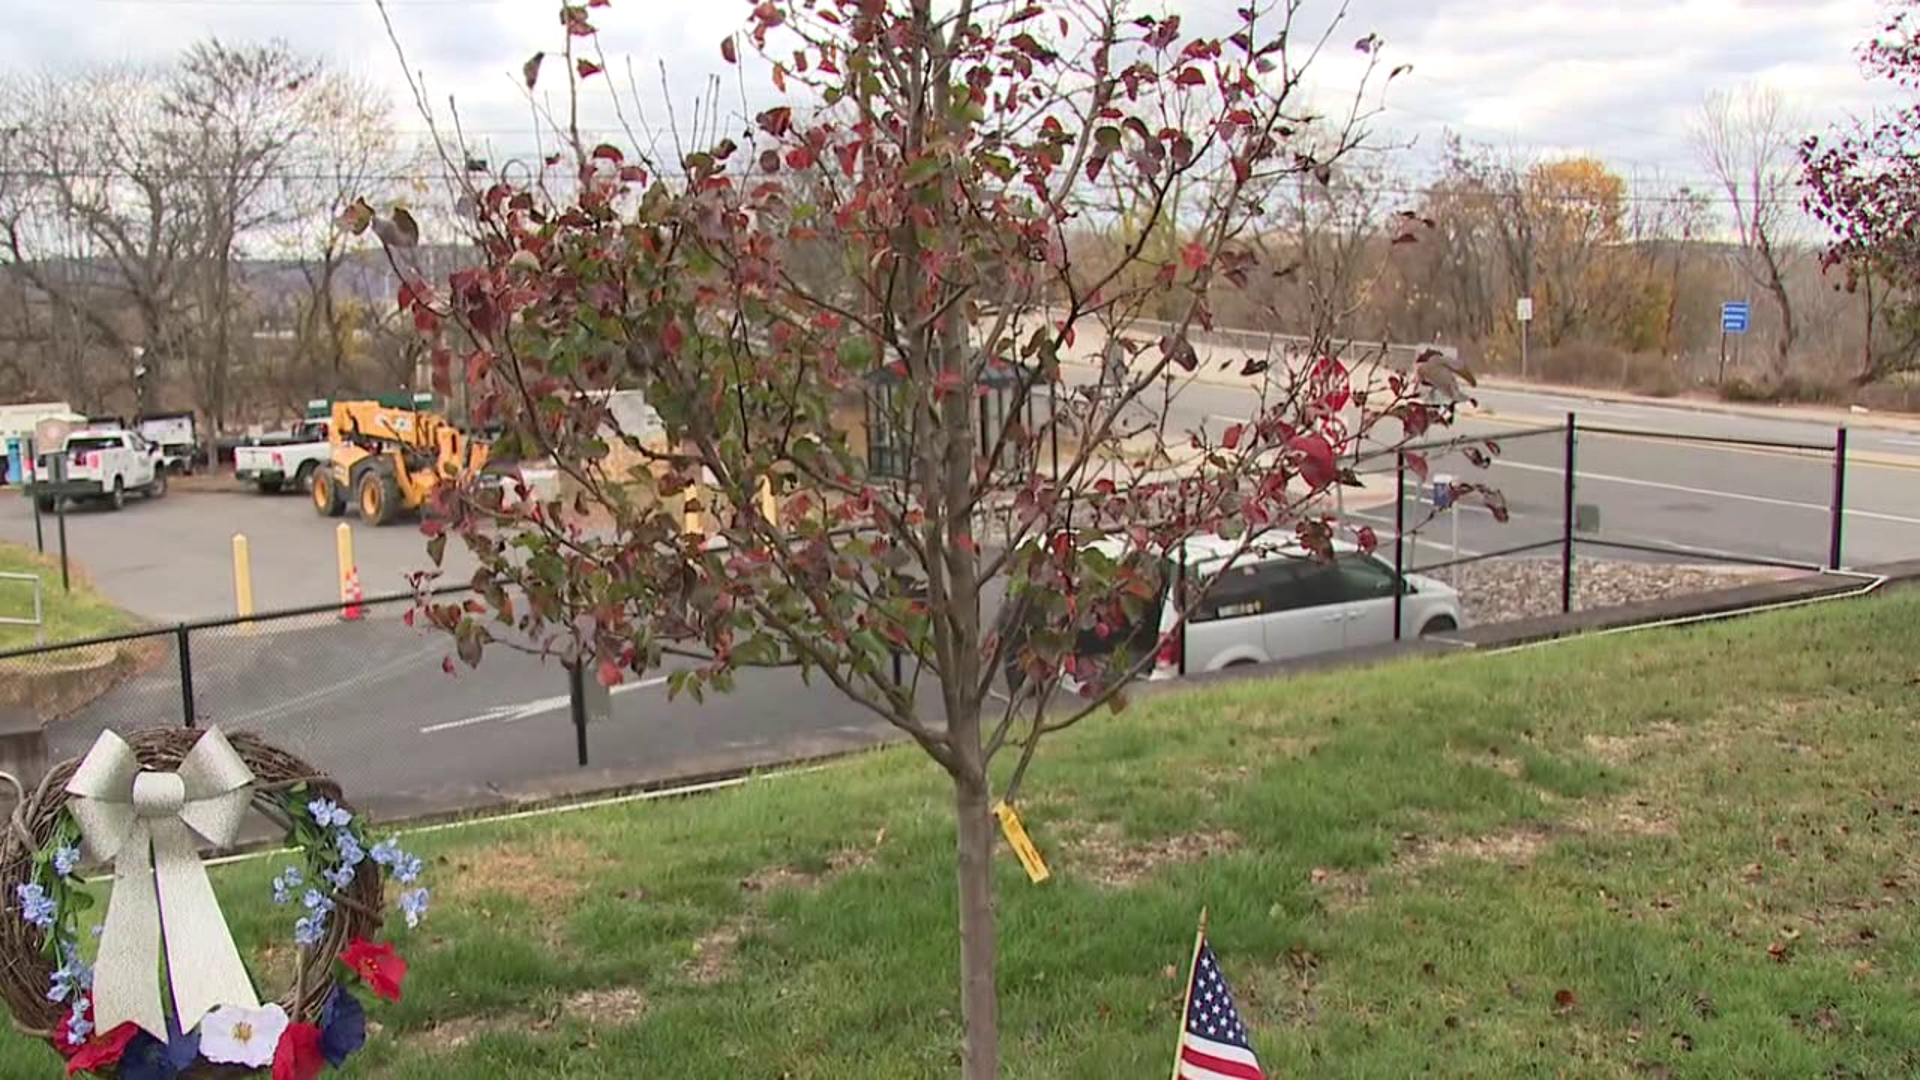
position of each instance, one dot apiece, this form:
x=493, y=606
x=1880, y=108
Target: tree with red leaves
x=890, y=256
x=1864, y=185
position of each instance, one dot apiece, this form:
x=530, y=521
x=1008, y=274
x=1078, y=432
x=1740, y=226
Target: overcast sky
x=1621, y=80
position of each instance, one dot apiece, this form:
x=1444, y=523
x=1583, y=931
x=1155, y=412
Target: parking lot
x=171, y=559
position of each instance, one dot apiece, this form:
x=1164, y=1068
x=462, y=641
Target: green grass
x=80, y=613
x=1705, y=838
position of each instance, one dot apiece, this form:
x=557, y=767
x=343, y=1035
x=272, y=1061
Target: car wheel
x=304, y=478
x=159, y=485
x=1439, y=624
x=118, y=499
x=268, y=487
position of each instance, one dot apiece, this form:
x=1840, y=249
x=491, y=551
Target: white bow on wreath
x=144, y=822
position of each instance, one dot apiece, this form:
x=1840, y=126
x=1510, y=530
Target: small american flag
x=1213, y=1040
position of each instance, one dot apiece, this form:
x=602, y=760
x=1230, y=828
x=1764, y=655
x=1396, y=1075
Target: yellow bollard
x=343, y=548
x=242, y=577
x=768, y=508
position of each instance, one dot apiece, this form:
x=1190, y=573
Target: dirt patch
x=715, y=951
x=1109, y=858
x=520, y=871
x=1627, y=749
x=609, y=1006
x=1340, y=890
x=1629, y=816
x=1517, y=847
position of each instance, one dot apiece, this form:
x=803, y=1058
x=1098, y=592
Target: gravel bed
x=1499, y=590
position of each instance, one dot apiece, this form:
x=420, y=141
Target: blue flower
x=286, y=883
x=343, y=1026
x=66, y=860
x=78, y=1026
x=340, y=877
x=317, y=901
x=328, y=814
x=36, y=907
x=309, y=929
x=72, y=975
x=387, y=852
x=407, y=870
x=349, y=847
x=147, y=1058
x=414, y=904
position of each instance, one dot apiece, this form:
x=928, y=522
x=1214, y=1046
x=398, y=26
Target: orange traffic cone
x=352, y=596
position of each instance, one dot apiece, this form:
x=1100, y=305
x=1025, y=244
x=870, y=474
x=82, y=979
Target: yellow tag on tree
x=1021, y=843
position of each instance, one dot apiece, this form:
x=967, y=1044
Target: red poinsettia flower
x=378, y=965
x=102, y=1051
x=298, y=1056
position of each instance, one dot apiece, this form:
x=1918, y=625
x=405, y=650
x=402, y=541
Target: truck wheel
x=328, y=499
x=304, y=478
x=379, y=497
x=117, y=500
x=268, y=487
x=159, y=486
x=1439, y=624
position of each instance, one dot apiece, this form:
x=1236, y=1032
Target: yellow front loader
x=387, y=461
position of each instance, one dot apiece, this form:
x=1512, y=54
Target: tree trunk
x=979, y=1004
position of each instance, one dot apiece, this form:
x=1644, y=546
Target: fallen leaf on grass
x=1779, y=951
x=1564, y=1002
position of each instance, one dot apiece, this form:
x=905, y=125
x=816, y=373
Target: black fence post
x=1838, y=528
x=66, y=579
x=183, y=646
x=1399, y=537
x=1566, y=522
x=577, y=698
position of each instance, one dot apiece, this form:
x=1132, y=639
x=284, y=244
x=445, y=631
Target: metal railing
x=38, y=622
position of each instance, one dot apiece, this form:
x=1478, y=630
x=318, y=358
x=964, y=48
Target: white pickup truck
x=101, y=464
x=272, y=461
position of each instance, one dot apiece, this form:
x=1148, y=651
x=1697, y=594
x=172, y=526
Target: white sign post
x=1523, y=310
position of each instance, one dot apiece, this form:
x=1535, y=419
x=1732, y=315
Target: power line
x=1677, y=196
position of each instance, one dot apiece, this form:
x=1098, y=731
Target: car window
x=1237, y=593
x=96, y=442
x=1304, y=583
x=1363, y=578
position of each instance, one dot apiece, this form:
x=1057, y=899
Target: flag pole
x=1186, y=999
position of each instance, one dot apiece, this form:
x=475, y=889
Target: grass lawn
x=78, y=614
x=1666, y=854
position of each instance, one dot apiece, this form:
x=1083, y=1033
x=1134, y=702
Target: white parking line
x=513, y=714
x=1683, y=489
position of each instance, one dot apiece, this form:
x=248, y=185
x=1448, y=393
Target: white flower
x=231, y=1035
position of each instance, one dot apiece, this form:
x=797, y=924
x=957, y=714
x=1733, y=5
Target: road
x=369, y=701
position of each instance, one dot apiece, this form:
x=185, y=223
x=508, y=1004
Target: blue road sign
x=1734, y=315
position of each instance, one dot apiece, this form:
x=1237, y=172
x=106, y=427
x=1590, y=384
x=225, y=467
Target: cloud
x=1621, y=80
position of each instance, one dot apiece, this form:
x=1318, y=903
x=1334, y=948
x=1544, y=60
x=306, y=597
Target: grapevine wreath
x=137, y=811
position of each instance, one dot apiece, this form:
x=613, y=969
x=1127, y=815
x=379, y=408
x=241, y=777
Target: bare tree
x=1749, y=142
x=238, y=115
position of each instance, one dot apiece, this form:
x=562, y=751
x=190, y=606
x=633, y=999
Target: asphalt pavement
x=370, y=702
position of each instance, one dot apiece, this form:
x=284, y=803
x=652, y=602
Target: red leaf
x=608, y=152
x=1366, y=538
x=530, y=70
x=1191, y=76
x=1194, y=256
x=587, y=68
x=610, y=674
x=728, y=51
x=1314, y=459
x=776, y=122
x=1231, y=440
x=671, y=337
x=1418, y=463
